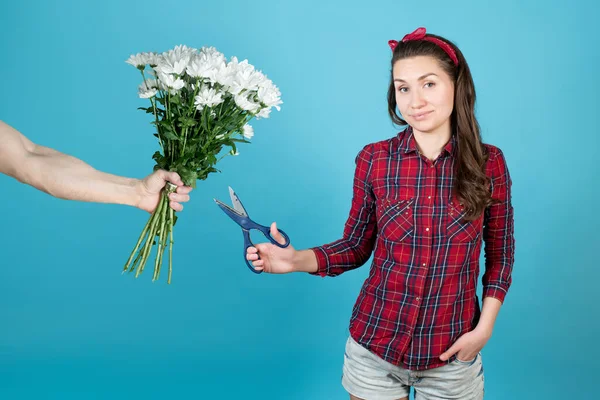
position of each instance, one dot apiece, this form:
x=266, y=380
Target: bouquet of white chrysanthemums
x=200, y=104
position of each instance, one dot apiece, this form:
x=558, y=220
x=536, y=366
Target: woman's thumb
x=276, y=235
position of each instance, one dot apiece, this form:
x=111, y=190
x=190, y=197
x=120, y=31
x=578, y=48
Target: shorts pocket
x=467, y=363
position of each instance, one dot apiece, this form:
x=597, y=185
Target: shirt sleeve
x=498, y=231
x=356, y=245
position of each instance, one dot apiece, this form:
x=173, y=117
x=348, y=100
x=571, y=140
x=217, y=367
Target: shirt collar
x=408, y=143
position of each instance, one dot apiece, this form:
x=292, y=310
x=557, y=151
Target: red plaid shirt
x=420, y=295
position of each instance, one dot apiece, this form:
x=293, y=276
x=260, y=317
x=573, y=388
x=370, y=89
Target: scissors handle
x=267, y=232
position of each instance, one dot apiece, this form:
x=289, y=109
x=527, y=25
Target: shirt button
x=429, y=197
x=418, y=299
x=427, y=229
x=424, y=264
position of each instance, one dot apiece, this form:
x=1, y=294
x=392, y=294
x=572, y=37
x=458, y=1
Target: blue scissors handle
x=267, y=232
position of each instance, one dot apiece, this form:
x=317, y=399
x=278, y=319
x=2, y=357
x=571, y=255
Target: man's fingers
x=169, y=176
x=174, y=178
x=175, y=206
x=184, y=189
x=180, y=198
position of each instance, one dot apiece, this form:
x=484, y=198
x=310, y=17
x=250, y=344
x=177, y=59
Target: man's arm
x=67, y=177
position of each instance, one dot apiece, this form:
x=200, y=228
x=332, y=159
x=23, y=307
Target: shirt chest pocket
x=457, y=228
x=395, y=218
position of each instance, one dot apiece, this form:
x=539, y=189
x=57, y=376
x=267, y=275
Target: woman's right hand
x=273, y=259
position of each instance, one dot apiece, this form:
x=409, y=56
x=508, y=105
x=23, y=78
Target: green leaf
x=166, y=125
x=167, y=134
x=161, y=162
x=191, y=121
x=149, y=110
x=188, y=177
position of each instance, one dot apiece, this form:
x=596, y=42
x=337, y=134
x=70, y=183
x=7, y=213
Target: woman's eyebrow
x=420, y=78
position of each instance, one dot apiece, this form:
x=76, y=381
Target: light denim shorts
x=369, y=377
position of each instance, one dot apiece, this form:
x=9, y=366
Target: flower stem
x=171, y=217
x=137, y=245
x=159, y=227
x=163, y=219
x=150, y=239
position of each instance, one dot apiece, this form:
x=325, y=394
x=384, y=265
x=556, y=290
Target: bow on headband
x=421, y=34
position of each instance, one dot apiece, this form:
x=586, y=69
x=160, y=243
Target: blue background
x=72, y=327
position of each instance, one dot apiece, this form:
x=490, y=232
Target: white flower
x=244, y=77
x=168, y=65
x=182, y=51
x=140, y=60
x=208, y=97
x=220, y=136
x=174, y=61
x=152, y=59
x=203, y=66
x=264, y=113
x=248, y=131
x=148, y=89
x=213, y=54
x=269, y=95
x=170, y=81
x=226, y=75
x=242, y=102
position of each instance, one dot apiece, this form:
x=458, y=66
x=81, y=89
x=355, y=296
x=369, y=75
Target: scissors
x=240, y=216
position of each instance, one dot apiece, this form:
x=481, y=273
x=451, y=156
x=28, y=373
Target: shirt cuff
x=495, y=292
x=322, y=262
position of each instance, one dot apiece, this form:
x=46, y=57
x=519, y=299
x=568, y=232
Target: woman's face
x=424, y=93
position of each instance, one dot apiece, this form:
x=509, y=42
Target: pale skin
x=69, y=178
x=425, y=98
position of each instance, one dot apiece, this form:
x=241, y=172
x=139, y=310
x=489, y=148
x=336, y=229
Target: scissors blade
x=237, y=204
x=226, y=208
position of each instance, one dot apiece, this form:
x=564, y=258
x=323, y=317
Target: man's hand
x=149, y=189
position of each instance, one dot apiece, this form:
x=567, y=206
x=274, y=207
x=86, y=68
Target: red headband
x=420, y=34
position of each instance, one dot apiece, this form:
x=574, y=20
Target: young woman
x=423, y=202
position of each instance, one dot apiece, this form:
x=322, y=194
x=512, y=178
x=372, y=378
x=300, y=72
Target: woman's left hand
x=468, y=345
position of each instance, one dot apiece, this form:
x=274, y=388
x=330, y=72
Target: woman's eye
x=429, y=84
x=402, y=89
